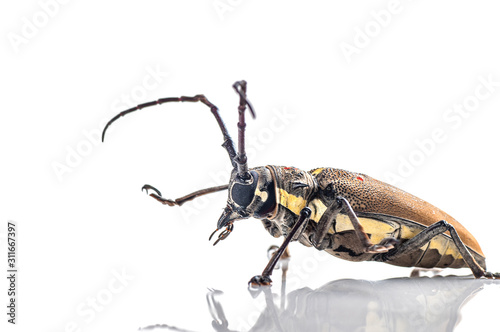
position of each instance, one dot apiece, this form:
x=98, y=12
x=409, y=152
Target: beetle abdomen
x=369, y=197
x=439, y=252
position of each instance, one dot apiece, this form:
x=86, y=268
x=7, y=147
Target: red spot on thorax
x=360, y=178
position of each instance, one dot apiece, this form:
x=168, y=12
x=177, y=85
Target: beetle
x=347, y=214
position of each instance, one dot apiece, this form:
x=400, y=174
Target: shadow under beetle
x=349, y=215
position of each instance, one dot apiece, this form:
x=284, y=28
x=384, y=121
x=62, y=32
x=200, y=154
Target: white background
x=82, y=219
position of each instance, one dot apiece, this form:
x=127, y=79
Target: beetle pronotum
x=347, y=214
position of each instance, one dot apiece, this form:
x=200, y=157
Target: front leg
x=265, y=278
x=328, y=218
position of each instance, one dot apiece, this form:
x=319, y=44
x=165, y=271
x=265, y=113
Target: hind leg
x=425, y=236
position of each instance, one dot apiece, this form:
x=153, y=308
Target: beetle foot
x=490, y=275
x=384, y=246
x=157, y=195
x=259, y=281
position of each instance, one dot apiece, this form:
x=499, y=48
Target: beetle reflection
x=400, y=304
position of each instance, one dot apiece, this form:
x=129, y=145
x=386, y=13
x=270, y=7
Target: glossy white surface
x=398, y=304
x=97, y=254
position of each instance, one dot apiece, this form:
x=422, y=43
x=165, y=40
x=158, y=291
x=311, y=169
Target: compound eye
x=243, y=194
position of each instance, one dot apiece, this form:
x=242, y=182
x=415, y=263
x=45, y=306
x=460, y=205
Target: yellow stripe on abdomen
x=292, y=202
x=378, y=230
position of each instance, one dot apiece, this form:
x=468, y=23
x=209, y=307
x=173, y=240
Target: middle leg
x=328, y=218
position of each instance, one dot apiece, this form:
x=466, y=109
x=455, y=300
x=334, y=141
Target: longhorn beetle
x=349, y=215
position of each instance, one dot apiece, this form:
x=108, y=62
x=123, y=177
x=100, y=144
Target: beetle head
x=251, y=197
x=251, y=191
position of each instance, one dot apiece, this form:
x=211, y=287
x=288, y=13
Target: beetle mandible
x=349, y=215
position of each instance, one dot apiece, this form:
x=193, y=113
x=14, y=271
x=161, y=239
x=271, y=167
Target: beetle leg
x=325, y=223
x=181, y=200
x=299, y=232
x=264, y=279
x=384, y=245
x=425, y=236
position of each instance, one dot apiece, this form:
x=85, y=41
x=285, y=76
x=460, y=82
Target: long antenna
x=228, y=142
x=241, y=158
